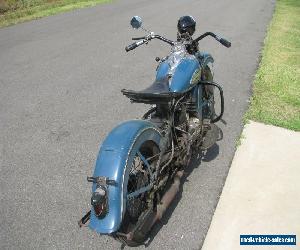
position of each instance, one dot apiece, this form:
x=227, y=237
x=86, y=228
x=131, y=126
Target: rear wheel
x=138, y=191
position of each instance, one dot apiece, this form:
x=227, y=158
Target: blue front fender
x=115, y=157
x=204, y=58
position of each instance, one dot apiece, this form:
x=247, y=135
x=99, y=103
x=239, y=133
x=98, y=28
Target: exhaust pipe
x=151, y=216
x=167, y=198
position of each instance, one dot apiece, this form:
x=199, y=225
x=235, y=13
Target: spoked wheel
x=138, y=185
x=209, y=110
x=212, y=134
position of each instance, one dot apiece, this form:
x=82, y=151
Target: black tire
x=208, y=91
x=139, y=177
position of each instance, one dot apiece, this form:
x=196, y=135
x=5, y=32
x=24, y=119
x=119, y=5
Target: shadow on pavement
x=208, y=155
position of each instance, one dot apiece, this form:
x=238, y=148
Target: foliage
x=276, y=98
x=15, y=11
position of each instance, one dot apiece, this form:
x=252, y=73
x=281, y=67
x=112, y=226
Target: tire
x=208, y=91
x=139, y=176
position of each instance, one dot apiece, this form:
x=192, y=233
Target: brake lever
x=138, y=38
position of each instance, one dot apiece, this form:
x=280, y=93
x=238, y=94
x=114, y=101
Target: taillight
x=99, y=201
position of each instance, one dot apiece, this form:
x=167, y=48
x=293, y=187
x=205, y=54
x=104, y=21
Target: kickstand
x=84, y=219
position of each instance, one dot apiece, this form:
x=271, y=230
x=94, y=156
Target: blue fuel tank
x=182, y=71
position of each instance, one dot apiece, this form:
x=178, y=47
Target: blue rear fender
x=114, y=160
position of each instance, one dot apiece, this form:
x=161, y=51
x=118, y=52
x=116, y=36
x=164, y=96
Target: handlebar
x=164, y=39
x=131, y=47
x=224, y=42
x=134, y=45
x=146, y=39
x=221, y=40
x=151, y=36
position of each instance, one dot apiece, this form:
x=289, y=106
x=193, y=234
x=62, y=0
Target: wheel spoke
x=140, y=191
x=139, y=185
x=146, y=163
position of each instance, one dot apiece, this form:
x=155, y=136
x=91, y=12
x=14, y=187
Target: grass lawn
x=16, y=11
x=276, y=96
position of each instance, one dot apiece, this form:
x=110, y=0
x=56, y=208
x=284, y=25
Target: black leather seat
x=158, y=92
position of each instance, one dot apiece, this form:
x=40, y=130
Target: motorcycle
x=141, y=162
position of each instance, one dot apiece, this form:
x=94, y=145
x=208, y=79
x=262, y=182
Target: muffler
x=151, y=217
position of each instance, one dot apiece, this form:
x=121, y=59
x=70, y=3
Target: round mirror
x=136, y=22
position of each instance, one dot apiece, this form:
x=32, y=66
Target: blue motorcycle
x=141, y=162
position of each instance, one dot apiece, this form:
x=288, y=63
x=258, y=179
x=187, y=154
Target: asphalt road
x=60, y=81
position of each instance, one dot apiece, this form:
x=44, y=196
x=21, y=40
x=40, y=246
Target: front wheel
x=209, y=109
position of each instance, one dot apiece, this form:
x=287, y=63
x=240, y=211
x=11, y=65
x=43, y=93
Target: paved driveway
x=60, y=81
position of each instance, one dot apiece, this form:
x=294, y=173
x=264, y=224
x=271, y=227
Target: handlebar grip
x=225, y=42
x=131, y=47
x=90, y=179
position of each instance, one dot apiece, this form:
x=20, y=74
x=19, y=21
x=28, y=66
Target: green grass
x=276, y=93
x=16, y=11
x=239, y=140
